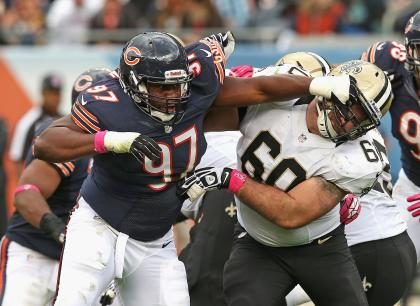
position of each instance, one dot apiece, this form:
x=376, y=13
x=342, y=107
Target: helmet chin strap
x=326, y=131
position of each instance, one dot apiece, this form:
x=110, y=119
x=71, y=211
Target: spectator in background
x=397, y=13
x=25, y=128
x=68, y=20
x=318, y=16
x=23, y=22
x=237, y=13
x=3, y=209
x=177, y=14
x=109, y=19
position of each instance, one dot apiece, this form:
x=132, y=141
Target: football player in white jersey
x=384, y=254
x=317, y=151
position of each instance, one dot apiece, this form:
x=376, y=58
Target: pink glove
x=350, y=209
x=242, y=71
x=414, y=208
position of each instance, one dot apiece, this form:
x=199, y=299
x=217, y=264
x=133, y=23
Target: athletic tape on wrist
x=26, y=187
x=100, y=142
x=237, y=179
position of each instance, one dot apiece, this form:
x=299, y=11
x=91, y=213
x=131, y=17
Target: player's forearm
x=284, y=87
x=270, y=202
x=300, y=206
x=32, y=206
x=58, y=144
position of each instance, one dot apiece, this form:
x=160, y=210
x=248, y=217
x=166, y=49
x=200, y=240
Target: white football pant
x=147, y=273
x=30, y=277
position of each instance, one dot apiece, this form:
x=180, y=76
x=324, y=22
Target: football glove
x=135, y=143
x=202, y=180
x=414, y=208
x=349, y=208
x=342, y=87
x=226, y=40
x=53, y=226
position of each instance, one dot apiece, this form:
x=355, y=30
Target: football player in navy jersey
x=145, y=125
x=45, y=195
x=402, y=63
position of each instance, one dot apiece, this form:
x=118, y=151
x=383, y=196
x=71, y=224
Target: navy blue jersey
x=140, y=200
x=61, y=202
x=405, y=109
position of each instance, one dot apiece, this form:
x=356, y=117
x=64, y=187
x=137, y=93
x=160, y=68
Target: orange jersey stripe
x=75, y=120
x=63, y=169
x=372, y=52
x=70, y=165
x=3, y=261
x=86, y=112
x=86, y=120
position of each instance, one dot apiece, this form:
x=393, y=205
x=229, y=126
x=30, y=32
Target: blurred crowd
x=32, y=22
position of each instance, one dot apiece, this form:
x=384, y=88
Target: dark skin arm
x=62, y=141
x=31, y=204
x=304, y=203
x=221, y=119
x=261, y=89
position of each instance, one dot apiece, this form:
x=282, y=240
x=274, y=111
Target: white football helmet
x=373, y=93
x=311, y=62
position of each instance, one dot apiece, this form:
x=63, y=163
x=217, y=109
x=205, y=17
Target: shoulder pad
x=387, y=55
x=207, y=53
x=352, y=171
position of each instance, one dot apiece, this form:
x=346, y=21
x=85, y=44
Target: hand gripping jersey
x=221, y=152
x=277, y=149
x=405, y=109
x=61, y=202
x=140, y=201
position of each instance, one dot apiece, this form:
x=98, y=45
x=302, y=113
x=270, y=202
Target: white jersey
x=380, y=217
x=221, y=152
x=277, y=149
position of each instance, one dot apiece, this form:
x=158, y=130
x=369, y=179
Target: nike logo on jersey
x=321, y=241
x=380, y=46
x=82, y=101
x=208, y=54
x=166, y=244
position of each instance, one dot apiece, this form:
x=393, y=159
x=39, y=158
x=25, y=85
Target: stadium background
x=35, y=42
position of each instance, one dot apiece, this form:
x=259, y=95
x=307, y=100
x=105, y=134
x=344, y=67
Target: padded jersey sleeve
x=353, y=166
x=85, y=113
x=389, y=56
x=207, y=63
x=63, y=169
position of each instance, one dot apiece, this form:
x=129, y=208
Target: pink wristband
x=26, y=187
x=237, y=179
x=99, y=142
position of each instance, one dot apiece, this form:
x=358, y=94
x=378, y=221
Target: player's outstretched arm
x=63, y=140
x=37, y=183
x=282, y=87
x=304, y=203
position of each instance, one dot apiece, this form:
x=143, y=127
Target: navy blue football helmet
x=412, y=44
x=86, y=79
x=156, y=58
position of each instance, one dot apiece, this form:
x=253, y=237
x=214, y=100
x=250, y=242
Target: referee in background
x=51, y=89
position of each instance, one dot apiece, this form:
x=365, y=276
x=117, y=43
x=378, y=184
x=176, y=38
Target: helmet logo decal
x=351, y=67
x=409, y=25
x=132, y=56
x=83, y=82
